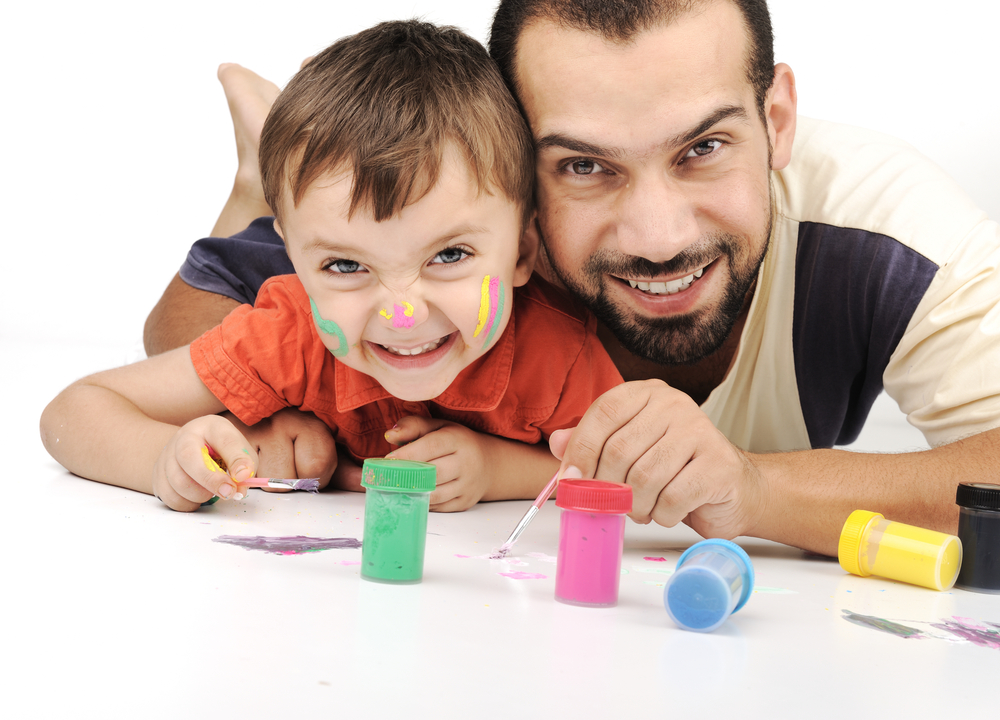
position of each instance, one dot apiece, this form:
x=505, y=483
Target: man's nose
x=656, y=219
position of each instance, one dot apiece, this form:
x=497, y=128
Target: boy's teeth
x=668, y=288
x=417, y=350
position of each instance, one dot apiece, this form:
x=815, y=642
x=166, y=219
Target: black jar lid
x=980, y=496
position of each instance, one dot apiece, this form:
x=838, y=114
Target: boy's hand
x=188, y=471
x=460, y=455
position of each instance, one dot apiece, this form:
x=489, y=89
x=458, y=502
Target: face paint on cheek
x=329, y=327
x=491, y=303
x=210, y=462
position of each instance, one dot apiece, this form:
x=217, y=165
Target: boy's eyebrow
x=558, y=140
x=322, y=245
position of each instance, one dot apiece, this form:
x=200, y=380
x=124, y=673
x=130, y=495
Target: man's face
x=653, y=176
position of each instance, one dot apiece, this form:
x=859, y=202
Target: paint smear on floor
x=291, y=545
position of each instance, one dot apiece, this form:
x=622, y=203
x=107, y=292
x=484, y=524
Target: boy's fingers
x=411, y=428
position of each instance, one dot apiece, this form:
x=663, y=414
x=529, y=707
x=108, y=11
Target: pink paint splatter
x=494, y=301
x=462, y=556
x=350, y=562
x=523, y=575
x=400, y=318
x=655, y=559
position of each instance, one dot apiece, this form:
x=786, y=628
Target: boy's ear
x=277, y=229
x=527, y=252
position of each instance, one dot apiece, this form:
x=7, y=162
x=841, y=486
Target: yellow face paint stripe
x=484, y=306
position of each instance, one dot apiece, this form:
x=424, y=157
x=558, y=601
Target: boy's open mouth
x=418, y=350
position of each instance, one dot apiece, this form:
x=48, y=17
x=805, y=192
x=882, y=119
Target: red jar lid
x=595, y=496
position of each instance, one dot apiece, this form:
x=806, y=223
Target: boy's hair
x=621, y=20
x=383, y=104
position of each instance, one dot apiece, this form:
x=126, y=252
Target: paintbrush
x=528, y=516
x=307, y=484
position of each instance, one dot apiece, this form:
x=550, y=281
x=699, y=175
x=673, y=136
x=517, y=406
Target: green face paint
x=397, y=499
x=329, y=327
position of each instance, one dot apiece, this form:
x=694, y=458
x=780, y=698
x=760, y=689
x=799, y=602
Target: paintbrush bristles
x=307, y=484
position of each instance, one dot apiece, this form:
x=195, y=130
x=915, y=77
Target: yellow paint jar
x=872, y=545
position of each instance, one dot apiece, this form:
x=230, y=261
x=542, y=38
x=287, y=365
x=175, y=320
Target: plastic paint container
x=397, y=500
x=872, y=545
x=591, y=537
x=713, y=579
x=979, y=531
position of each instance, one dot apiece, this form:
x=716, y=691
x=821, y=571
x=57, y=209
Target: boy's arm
x=113, y=426
x=182, y=314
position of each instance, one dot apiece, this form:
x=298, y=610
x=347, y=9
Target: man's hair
x=620, y=21
x=383, y=104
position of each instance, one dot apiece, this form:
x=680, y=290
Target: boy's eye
x=449, y=256
x=345, y=267
x=705, y=147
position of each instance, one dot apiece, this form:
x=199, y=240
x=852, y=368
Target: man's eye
x=449, y=256
x=584, y=167
x=705, y=147
x=344, y=267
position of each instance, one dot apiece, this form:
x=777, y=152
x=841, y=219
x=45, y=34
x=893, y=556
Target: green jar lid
x=403, y=475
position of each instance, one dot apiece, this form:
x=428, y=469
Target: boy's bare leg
x=250, y=98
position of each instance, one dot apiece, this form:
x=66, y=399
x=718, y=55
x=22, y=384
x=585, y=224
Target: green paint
x=395, y=535
x=886, y=626
x=330, y=328
x=501, y=298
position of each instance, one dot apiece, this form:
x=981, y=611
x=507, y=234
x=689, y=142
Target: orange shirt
x=541, y=375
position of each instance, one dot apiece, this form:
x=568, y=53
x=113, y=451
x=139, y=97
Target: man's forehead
x=672, y=76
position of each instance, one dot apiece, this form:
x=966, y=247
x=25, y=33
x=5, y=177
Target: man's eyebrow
x=558, y=140
x=723, y=113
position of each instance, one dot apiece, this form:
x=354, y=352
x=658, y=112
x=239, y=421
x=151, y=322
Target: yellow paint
x=407, y=309
x=484, y=306
x=209, y=461
x=385, y=314
x=872, y=545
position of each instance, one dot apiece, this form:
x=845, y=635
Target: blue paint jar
x=713, y=579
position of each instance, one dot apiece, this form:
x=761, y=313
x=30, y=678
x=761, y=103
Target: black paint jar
x=979, y=531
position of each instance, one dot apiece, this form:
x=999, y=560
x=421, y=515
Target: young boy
x=401, y=176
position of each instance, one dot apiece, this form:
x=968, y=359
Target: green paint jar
x=397, y=500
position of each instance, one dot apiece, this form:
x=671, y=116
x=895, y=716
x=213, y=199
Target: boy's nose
x=401, y=315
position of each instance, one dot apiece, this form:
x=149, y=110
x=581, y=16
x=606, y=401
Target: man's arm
x=182, y=314
x=681, y=468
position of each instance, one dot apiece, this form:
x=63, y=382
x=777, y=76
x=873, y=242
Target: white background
x=118, y=150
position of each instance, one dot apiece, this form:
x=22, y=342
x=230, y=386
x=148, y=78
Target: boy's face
x=413, y=300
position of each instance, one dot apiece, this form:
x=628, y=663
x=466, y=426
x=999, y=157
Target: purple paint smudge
x=971, y=631
x=886, y=626
x=524, y=575
x=293, y=545
x=655, y=559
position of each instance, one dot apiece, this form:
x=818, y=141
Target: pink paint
x=399, y=317
x=462, y=556
x=523, y=575
x=350, y=562
x=494, y=302
x=591, y=537
x=655, y=559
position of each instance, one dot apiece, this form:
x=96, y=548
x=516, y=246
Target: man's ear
x=781, y=108
x=527, y=252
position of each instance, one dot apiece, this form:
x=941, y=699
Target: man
x=756, y=295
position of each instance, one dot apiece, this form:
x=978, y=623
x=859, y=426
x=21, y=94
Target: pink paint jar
x=591, y=537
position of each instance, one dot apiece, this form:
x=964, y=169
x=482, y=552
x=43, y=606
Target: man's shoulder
x=850, y=177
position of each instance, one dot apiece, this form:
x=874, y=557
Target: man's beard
x=677, y=340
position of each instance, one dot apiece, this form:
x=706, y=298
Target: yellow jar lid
x=850, y=540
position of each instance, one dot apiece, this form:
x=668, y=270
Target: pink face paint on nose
x=402, y=315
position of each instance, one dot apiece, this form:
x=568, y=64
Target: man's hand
x=680, y=467
x=291, y=444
